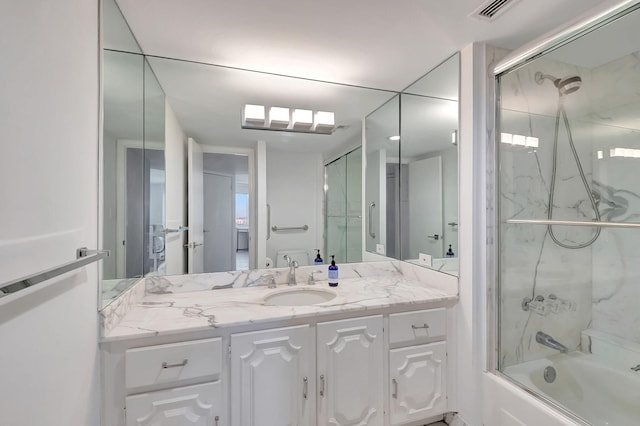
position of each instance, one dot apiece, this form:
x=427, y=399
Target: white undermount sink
x=299, y=297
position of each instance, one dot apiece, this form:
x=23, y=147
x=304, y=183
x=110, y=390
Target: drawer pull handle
x=305, y=387
x=322, y=385
x=181, y=364
x=217, y=419
x=395, y=389
x=416, y=327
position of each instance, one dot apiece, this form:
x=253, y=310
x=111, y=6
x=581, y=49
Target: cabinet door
x=349, y=371
x=418, y=382
x=272, y=378
x=198, y=405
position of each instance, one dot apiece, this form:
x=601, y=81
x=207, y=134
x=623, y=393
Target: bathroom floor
x=242, y=260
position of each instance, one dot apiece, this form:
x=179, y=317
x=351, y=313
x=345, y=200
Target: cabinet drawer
x=173, y=362
x=198, y=405
x=409, y=327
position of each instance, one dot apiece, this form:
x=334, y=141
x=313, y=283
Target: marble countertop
x=166, y=314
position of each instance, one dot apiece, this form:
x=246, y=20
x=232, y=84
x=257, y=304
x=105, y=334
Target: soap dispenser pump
x=333, y=273
x=318, y=260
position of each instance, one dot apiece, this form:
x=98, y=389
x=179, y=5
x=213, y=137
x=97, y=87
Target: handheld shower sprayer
x=566, y=86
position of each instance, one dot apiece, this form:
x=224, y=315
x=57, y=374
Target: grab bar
x=268, y=221
x=574, y=223
x=83, y=257
x=290, y=228
x=371, y=206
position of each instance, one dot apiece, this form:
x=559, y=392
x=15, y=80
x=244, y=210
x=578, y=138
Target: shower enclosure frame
x=575, y=29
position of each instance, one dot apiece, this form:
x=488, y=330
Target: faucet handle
x=271, y=281
x=312, y=280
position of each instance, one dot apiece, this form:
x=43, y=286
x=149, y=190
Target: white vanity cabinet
x=155, y=378
x=272, y=377
x=349, y=371
x=286, y=377
x=417, y=373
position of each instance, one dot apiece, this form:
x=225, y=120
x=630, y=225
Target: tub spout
x=546, y=340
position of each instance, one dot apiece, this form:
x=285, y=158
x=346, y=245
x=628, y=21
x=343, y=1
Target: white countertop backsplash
x=186, y=303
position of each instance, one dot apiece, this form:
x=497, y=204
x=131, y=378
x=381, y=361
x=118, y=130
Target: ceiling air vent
x=490, y=10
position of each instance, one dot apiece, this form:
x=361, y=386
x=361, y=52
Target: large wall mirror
x=190, y=186
x=412, y=172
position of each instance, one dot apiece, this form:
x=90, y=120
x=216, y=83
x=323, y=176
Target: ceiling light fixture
x=394, y=138
x=253, y=115
x=287, y=119
x=323, y=121
x=278, y=117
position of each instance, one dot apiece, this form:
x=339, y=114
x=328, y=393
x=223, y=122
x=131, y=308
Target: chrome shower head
x=565, y=86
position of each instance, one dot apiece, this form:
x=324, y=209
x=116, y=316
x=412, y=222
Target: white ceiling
x=374, y=43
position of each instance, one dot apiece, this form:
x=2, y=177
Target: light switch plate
x=380, y=248
x=424, y=259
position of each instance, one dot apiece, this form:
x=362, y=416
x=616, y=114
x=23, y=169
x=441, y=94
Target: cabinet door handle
x=322, y=385
x=416, y=327
x=217, y=419
x=180, y=364
x=305, y=387
x=395, y=389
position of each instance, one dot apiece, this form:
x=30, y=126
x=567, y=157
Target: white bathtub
x=585, y=386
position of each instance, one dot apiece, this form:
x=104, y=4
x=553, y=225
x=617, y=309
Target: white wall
x=48, y=187
x=295, y=192
x=176, y=204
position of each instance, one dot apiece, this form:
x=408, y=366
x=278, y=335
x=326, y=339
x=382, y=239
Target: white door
x=418, y=382
x=272, y=378
x=349, y=372
x=195, y=167
x=219, y=223
x=198, y=405
x=425, y=208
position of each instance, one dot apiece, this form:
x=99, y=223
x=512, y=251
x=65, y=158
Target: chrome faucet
x=292, y=264
x=546, y=340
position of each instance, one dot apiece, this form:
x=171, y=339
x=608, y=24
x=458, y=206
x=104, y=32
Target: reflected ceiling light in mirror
x=394, y=138
x=624, y=152
x=278, y=118
x=253, y=115
x=298, y=120
x=324, y=121
x=519, y=140
x=454, y=137
x=302, y=119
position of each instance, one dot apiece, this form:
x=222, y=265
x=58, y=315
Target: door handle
x=322, y=385
x=305, y=387
x=193, y=245
x=371, y=206
x=434, y=236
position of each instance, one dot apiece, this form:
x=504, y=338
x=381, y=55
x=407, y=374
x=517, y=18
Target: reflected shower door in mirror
x=343, y=203
x=382, y=176
x=429, y=152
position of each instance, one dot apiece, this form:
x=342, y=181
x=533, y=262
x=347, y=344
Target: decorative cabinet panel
x=417, y=382
x=349, y=372
x=198, y=405
x=272, y=378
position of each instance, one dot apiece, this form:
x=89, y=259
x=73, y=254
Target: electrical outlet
x=424, y=259
x=380, y=248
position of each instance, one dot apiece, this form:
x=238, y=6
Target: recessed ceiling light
x=394, y=138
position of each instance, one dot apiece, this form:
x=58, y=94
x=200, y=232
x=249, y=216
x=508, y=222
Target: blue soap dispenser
x=450, y=252
x=333, y=273
x=318, y=260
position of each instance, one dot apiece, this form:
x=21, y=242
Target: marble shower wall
x=600, y=281
x=616, y=253
x=531, y=264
